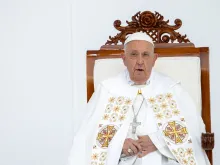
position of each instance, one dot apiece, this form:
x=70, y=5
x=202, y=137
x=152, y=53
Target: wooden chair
x=175, y=51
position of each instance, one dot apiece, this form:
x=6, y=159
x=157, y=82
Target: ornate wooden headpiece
x=152, y=24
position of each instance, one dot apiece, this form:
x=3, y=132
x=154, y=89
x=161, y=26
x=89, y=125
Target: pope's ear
x=155, y=58
x=123, y=58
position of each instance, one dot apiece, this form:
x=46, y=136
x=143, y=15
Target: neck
x=137, y=83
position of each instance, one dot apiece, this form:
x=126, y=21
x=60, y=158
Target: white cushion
x=184, y=69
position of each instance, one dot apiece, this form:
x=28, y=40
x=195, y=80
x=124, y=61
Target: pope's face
x=139, y=59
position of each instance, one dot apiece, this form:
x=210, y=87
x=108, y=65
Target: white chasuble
x=168, y=116
x=113, y=118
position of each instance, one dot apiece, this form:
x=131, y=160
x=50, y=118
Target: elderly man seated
x=140, y=117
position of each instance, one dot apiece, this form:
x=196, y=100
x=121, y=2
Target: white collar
x=132, y=83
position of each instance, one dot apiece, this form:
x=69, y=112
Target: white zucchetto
x=138, y=36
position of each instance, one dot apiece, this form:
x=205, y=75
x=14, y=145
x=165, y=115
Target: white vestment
x=83, y=142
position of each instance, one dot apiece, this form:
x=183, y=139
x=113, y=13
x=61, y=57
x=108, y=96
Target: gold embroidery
x=164, y=106
x=122, y=117
x=103, y=156
x=94, y=163
x=190, y=141
x=191, y=161
x=111, y=100
x=151, y=100
x=160, y=98
x=94, y=156
x=181, y=152
x=159, y=124
x=105, y=135
x=156, y=108
x=185, y=161
x=108, y=108
x=114, y=117
x=174, y=152
x=182, y=119
x=176, y=112
x=172, y=104
x=106, y=117
x=189, y=151
x=116, y=109
x=159, y=116
x=184, y=157
x=124, y=109
x=120, y=100
x=175, y=132
x=167, y=114
x=128, y=101
x=169, y=96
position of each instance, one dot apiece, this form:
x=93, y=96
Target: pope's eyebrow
x=134, y=51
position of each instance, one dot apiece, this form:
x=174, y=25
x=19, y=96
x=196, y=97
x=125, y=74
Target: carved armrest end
x=208, y=141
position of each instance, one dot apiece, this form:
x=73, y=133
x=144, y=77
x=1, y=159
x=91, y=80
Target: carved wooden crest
x=152, y=24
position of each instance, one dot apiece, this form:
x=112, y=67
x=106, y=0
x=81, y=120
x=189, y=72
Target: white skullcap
x=139, y=36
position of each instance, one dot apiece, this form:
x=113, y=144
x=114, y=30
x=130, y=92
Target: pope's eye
x=146, y=54
x=133, y=54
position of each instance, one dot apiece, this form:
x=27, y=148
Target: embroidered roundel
x=175, y=132
x=105, y=135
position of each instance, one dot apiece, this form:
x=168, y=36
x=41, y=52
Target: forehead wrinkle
x=139, y=52
x=131, y=46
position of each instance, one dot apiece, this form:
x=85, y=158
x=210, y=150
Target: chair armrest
x=208, y=141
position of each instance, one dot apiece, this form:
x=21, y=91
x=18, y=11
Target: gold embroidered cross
x=106, y=135
x=173, y=130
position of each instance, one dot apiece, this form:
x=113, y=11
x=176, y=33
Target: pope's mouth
x=140, y=70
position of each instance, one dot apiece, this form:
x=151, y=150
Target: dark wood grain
x=151, y=23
